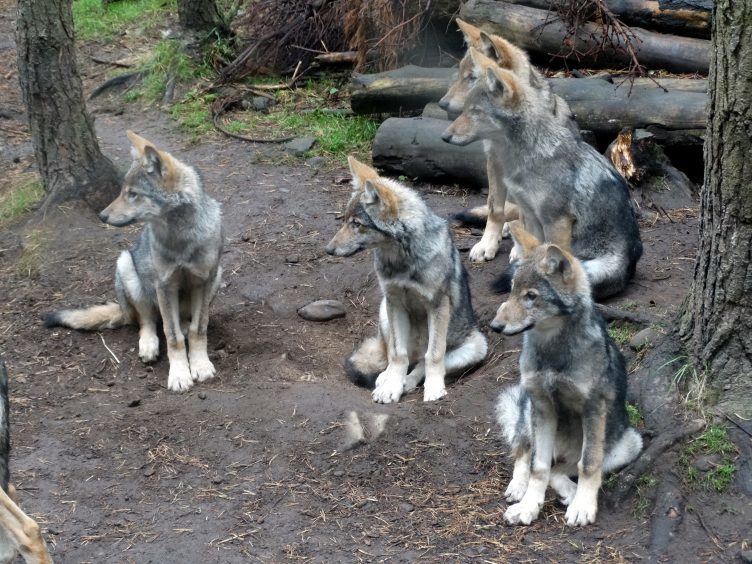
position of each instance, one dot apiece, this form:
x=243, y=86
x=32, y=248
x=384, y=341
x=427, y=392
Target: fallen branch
x=113, y=63
x=614, y=314
x=220, y=107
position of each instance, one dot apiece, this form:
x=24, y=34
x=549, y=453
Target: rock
x=149, y=472
x=217, y=479
x=338, y=473
x=292, y=259
x=707, y=462
x=135, y=402
x=300, y=145
x=201, y=395
x=316, y=162
x=644, y=338
x=322, y=310
x=262, y=103
x=406, y=507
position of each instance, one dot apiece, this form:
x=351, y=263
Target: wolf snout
x=447, y=136
x=444, y=104
x=104, y=216
x=330, y=250
x=496, y=326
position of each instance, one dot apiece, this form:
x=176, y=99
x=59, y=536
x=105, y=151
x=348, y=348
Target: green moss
x=19, y=199
x=95, y=21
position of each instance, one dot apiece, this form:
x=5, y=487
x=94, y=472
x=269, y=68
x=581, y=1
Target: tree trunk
x=62, y=132
x=201, y=15
x=718, y=315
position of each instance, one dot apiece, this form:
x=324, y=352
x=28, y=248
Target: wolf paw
x=202, y=369
x=515, y=490
x=566, y=491
x=148, y=348
x=179, y=379
x=515, y=253
x=581, y=512
x=506, y=232
x=389, y=388
x=434, y=392
x=522, y=513
x=483, y=251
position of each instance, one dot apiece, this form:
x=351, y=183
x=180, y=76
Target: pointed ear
x=152, y=160
x=370, y=193
x=509, y=56
x=486, y=46
x=526, y=240
x=502, y=82
x=472, y=33
x=555, y=262
x=139, y=143
x=481, y=61
x=376, y=193
x=360, y=170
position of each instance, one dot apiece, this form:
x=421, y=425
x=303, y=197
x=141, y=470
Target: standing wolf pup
x=569, y=407
x=173, y=267
x=567, y=192
x=426, y=319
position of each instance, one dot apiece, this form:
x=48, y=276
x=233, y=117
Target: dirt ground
x=255, y=464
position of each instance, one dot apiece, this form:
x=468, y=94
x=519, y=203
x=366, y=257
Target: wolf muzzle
x=104, y=217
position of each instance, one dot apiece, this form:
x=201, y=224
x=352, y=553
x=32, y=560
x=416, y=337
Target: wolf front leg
x=390, y=384
x=202, y=295
x=488, y=246
x=584, y=506
x=168, y=298
x=22, y=532
x=543, y=420
x=438, y=325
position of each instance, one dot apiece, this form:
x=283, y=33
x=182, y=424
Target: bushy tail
x=513, y=415
x=474, y=217
x=107, y=316
x=4, y=428
x=367, y=362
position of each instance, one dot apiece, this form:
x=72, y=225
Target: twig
x=113, y=63
x=114, y=356
x=738, y=425
x=219, y=111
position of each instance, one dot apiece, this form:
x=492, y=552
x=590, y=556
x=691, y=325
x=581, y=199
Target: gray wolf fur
x=19, y=534
x=500, y=206
x=427, y=326
x=173, y=267
x=569, y=407
x=567, y=192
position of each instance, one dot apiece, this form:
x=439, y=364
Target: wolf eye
x=531, y=295
x=131, y=195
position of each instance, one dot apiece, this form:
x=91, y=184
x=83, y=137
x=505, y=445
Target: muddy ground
x=255, y=464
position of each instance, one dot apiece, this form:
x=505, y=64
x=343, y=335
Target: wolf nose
x=443, y=104
x=446, y=137
x=103, y=217
x=496, y=326
x=329, y=250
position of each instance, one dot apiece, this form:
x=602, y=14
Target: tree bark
x=65, y=145
x=718, y=315
x=543, y=32
x=202, y=16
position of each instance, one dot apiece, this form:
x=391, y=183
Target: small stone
x=322, y=310
x=202, y=395
x=707, y=462
x=338, y=473
x=149, y=472
x=644, y=338
x=135, y=402
x=316, y=162
x=262, y=103
x=300, y=145
x=293, y=259
x=217, y=479
x=406, y=507
x=245, y=237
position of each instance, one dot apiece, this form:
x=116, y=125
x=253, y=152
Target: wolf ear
x=487, y=47
x=139, y=143
x=556, y=262
x=152, y=160
x=375, y=193
x=472, y=33
x=361, y=170
x=524, y=239
x=370, y=193
x=506, y=55
x=502, y=82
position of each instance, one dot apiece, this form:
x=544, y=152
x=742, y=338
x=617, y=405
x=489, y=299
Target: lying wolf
x=569, y=407
x=172, y=268
x=426, y=319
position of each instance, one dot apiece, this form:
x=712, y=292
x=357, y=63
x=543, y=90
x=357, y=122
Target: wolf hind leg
x=133, y=298
x=608, y=275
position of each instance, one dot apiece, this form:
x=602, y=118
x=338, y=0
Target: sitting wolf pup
x=426, y=319
x=173, y=267
x=568, y=408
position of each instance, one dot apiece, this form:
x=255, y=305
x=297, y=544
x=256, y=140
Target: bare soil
x=255, y=464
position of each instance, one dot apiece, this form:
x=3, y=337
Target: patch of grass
x=30, y=262
x=713, y=441
x=635, y=417
x=93, y=20
x=193, y=114
x=20, y=199
x=622, y=333
x=643, y=485
x=691, y=380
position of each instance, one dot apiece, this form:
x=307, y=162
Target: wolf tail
x=513, y=415
x=108, y=316
x=474, y=217
x=4, y=428
x=367, y=362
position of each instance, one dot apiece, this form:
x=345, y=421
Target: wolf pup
x=19, y=533
x=426, y=319
x=499, y=207
x=567, y=192
x=173, y=267
x=568, y=408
